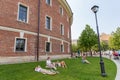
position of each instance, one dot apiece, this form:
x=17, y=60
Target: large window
x=48, y=47
x=22, y=15
x=20, y=44
x=62, y=29
x=48, y=22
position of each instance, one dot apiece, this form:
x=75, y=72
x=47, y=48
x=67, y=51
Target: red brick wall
x=7, y=44
x=9, y=13
x=8, y=18
x=57, y=19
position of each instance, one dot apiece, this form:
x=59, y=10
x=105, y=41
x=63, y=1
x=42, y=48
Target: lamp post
x=95, y=10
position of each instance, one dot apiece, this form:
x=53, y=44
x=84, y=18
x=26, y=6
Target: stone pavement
x=117, y=62
x=118, y=69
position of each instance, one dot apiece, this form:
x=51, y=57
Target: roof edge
x=65, y=4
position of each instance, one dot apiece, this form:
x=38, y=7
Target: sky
x=108, y=16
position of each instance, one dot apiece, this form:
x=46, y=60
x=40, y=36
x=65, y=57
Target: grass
x=76, y=71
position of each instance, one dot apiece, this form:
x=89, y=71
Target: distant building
x=104, y=37
x=74, y=41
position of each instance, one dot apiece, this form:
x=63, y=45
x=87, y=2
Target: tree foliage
x=87, y=39
x=104, y=45
x=114, y=41
x=74, y=48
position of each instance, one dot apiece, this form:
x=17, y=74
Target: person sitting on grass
x=60, y=64
x=49, y=64
x=45, y=71
x=84, y=60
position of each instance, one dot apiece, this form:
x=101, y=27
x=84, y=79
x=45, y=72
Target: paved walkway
x=117, y=62
x=118, y=69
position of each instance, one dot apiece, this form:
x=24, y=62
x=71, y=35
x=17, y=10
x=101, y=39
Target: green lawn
x=76, y=71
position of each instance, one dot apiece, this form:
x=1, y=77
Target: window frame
x=61, y=10
x=25, y=44
x=61, y=29
x=50, y=25
x=27, y=13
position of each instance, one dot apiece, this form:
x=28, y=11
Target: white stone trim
x=48, y=38
x=32, y=33
x=16, y=30
x=62, y=31
x=62, y=42
x=24, y=59
x=21, y=34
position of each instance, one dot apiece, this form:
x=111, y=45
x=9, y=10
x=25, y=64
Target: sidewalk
x=117, y=62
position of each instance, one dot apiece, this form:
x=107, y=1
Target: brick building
x=105, y=37
x=35, y=27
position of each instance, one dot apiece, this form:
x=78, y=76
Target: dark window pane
x=47, y=47
x=48, y=22
x=61, y=11
x=20, y=44
x=23, y=13
x=48, y=2
x=61, y=48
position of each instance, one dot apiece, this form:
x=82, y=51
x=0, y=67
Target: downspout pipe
x=37, y=55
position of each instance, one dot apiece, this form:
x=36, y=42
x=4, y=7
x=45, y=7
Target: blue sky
x=108, y=15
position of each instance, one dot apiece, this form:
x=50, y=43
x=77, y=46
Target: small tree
x=87, y=39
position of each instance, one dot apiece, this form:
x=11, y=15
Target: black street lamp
x=95, y=9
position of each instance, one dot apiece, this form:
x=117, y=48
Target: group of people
x=52, y=65
x=114, y=53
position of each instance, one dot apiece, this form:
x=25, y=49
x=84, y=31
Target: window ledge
x=22, y=22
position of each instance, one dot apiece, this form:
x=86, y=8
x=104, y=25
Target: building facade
x=105, y=37
x=30, y=27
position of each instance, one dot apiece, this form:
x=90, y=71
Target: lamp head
x=95, y=8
